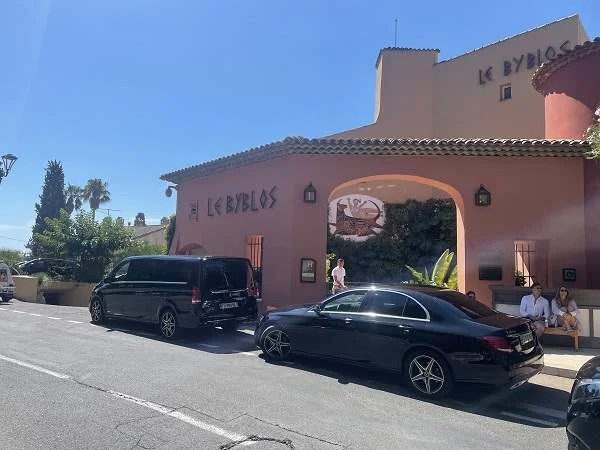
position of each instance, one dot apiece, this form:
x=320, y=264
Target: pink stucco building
x=254, y=203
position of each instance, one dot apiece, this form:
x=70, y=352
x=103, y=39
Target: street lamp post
x=8, y=161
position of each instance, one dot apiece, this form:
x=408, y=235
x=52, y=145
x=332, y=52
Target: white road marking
x=159, y=408
x=62, y=376
x=3, y=309
x=529, y=419
x=53, y=318
x=34, y=314
x=18, y=312
x=556, y=413
x=74, y=321
x=180, y=416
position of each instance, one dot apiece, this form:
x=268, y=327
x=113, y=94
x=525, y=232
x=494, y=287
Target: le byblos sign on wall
x=523, y=61
x=237, y=203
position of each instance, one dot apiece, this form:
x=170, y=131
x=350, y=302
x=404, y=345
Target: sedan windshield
x=472, y=308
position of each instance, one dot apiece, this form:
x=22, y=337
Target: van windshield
x=238, y=272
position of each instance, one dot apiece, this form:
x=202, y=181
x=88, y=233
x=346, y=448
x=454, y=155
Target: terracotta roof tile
x=546, y=70
x=395, y=147
x=145, y=230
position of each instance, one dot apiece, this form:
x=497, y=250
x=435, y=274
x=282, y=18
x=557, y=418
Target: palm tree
x=73, y=198
x=96, y=193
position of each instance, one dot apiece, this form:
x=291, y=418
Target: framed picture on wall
x=569, y=274
x=308, y=270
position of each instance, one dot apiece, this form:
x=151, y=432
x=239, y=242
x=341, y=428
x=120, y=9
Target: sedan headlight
x=585, y=389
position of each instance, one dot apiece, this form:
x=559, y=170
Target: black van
x=177, y=292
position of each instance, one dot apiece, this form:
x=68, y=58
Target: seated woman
x=564, y=310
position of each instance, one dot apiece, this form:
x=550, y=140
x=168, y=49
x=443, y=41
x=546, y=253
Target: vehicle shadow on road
x=210, y=339
x=499, y=403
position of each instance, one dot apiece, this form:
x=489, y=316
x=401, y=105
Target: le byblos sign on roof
x=524, y=61
x=237, y=203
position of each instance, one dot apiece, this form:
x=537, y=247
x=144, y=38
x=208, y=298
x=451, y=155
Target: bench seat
x=573, y=333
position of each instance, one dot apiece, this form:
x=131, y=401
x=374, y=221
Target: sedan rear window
x=472, y=308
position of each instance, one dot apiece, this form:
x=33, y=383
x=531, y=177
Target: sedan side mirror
x=317, y=309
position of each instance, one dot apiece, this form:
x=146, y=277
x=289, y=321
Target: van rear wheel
x=167, y=322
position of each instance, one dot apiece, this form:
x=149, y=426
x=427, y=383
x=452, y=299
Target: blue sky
x=126, y=90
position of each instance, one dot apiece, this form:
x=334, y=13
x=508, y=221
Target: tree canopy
x=52, y=201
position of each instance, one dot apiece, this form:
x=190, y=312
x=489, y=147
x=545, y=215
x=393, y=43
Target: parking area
x=215, y=387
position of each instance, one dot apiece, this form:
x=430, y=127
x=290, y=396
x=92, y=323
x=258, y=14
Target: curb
x=559, y=372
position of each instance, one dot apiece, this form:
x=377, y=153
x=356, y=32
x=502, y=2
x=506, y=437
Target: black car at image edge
x=177, y=292
x=434, y=337
x=583, y=414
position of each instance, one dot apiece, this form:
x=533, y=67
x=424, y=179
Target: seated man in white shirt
x=536, y=308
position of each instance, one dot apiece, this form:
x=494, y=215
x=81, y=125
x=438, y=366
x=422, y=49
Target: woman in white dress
x=564, y=310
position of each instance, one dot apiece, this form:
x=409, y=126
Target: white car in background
x=7, y=285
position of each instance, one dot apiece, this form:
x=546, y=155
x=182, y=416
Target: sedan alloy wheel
x=427, y=374
x=276, y=344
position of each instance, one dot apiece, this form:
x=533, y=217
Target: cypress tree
x=52, y=200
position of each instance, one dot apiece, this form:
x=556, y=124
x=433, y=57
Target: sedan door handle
x=405, y=328
x=348, y=321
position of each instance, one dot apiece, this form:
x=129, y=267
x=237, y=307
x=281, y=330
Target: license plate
x=229, y=305
x=526, y=338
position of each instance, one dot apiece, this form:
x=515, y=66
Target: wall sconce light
x=483, y=197
x=169, y=190
x=310, y=194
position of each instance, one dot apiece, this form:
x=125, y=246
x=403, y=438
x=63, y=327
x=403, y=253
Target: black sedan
x=435, y=337
x=583, y=415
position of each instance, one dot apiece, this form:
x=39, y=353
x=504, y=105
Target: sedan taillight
x=498, y=343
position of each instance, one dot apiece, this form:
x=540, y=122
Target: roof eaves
x=479, y=147
x=256, y=154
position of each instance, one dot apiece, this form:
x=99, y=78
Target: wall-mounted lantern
x=310, y=194
x=483, y=197
x=169, y=190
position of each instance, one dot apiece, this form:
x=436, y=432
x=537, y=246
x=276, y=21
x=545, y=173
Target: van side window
x=215, y=278
x=174, y=271
x=121, y=273
x=141, y=270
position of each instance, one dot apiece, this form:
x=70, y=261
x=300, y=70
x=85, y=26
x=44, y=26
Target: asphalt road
x=66, y=383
